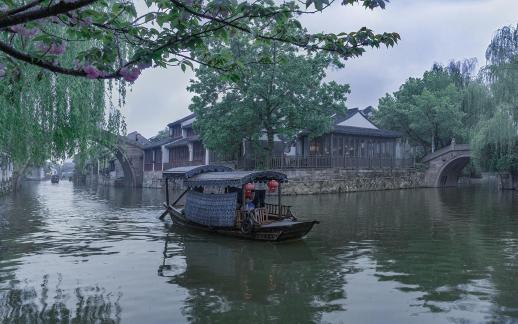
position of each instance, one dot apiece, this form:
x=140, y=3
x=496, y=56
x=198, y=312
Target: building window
x=176, y=131
x=315, y=146
x=189, y=132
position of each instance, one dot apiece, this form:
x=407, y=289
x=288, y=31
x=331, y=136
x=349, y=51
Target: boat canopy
x=190, y=171
x=233, y=178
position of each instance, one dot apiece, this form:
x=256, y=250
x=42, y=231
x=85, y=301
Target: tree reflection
x=233, y=280
x=54, y=305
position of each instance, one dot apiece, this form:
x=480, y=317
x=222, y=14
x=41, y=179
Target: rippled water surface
x=416, y=256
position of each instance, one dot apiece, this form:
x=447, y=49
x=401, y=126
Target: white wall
x=358, y=120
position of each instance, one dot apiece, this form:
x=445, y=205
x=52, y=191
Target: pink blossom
x=92, y=72
x=26, y=32
x=53, y=49
x=142, y=65
x=86, y=22
x=130, y=74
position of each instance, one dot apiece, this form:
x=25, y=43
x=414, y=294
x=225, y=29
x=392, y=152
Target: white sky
x=431, y=31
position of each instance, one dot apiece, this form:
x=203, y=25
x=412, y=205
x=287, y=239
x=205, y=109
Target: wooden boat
x=212, y=195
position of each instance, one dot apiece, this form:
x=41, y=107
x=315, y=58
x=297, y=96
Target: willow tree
x=495, y=138
x=46, y=116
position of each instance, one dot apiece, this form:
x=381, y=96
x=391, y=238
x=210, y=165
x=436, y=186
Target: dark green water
x=414, y=256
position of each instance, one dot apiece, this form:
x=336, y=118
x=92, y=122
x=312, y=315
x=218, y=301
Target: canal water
x=414, y=256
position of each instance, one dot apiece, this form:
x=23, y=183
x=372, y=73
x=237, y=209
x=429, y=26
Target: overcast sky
x=431, y=31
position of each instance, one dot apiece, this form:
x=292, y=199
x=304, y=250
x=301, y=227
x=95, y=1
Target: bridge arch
x=127, y=167
x=130, y=156
x=445, y=165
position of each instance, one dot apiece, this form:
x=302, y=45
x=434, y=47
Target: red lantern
x=249, y=186
x=273, y=185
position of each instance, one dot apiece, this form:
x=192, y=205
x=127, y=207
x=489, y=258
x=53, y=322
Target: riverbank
x=309, y=182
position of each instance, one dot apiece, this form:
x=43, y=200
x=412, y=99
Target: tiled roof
x=184, y=141
x=179, y=121
x=360, y=131
x=159, y=143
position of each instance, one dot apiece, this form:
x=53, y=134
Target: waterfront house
x=354, y=141
x=352, y=135
x=182, y=147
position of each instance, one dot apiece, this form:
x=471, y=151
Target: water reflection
x=72, y=254
x=229, y=280
x=51, y=304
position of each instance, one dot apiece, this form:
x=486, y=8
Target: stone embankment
x=306, y=182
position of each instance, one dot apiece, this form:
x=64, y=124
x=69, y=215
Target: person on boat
x=260, y=194
x=250, y=206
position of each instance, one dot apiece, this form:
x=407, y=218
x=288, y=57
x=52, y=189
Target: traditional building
x=183, y=147
x=353, y=142
x=352, y=135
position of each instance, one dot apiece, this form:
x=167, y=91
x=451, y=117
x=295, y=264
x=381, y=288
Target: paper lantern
x=273, y=185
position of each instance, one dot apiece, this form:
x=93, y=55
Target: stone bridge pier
x=445, y=165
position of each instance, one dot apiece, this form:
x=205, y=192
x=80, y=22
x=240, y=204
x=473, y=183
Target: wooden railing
x=325, y=161
x=260, y=214
x=169, y=165
x=273, y=210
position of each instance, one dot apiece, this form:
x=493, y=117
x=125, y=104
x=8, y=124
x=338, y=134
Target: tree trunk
x=18, y=172
x=433, y=140
x=270, y=145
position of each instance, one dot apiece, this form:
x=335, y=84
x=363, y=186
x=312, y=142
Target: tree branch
x=43, y=12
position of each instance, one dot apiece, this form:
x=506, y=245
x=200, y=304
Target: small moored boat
x=219, y=200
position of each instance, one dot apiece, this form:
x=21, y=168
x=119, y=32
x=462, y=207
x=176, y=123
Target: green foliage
x=51, y=116
x=452, y=102
x=495, y=136
x=495, y=142
x=168, y=33
x=427, y=110
x=277, y=91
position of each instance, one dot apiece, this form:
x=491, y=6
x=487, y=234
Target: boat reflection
x=228, y=278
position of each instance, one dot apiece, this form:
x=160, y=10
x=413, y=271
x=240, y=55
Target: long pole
x=167, y=191
x=279, y=198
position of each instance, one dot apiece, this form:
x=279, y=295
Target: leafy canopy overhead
x=169, y=32
x=278, y=92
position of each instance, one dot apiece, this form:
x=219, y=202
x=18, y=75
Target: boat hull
x=276, y=231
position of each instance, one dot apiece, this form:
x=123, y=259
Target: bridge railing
x=446, y=150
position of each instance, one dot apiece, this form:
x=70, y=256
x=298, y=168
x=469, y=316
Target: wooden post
x=243, y=198
x=279, y=199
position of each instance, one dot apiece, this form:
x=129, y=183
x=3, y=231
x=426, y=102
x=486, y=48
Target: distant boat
x=227, y=211
x=54, y=178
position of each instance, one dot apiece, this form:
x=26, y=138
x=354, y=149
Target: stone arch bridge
x=129, y=155
x=445, y=165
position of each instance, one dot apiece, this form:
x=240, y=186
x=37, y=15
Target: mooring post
x=166, y=199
